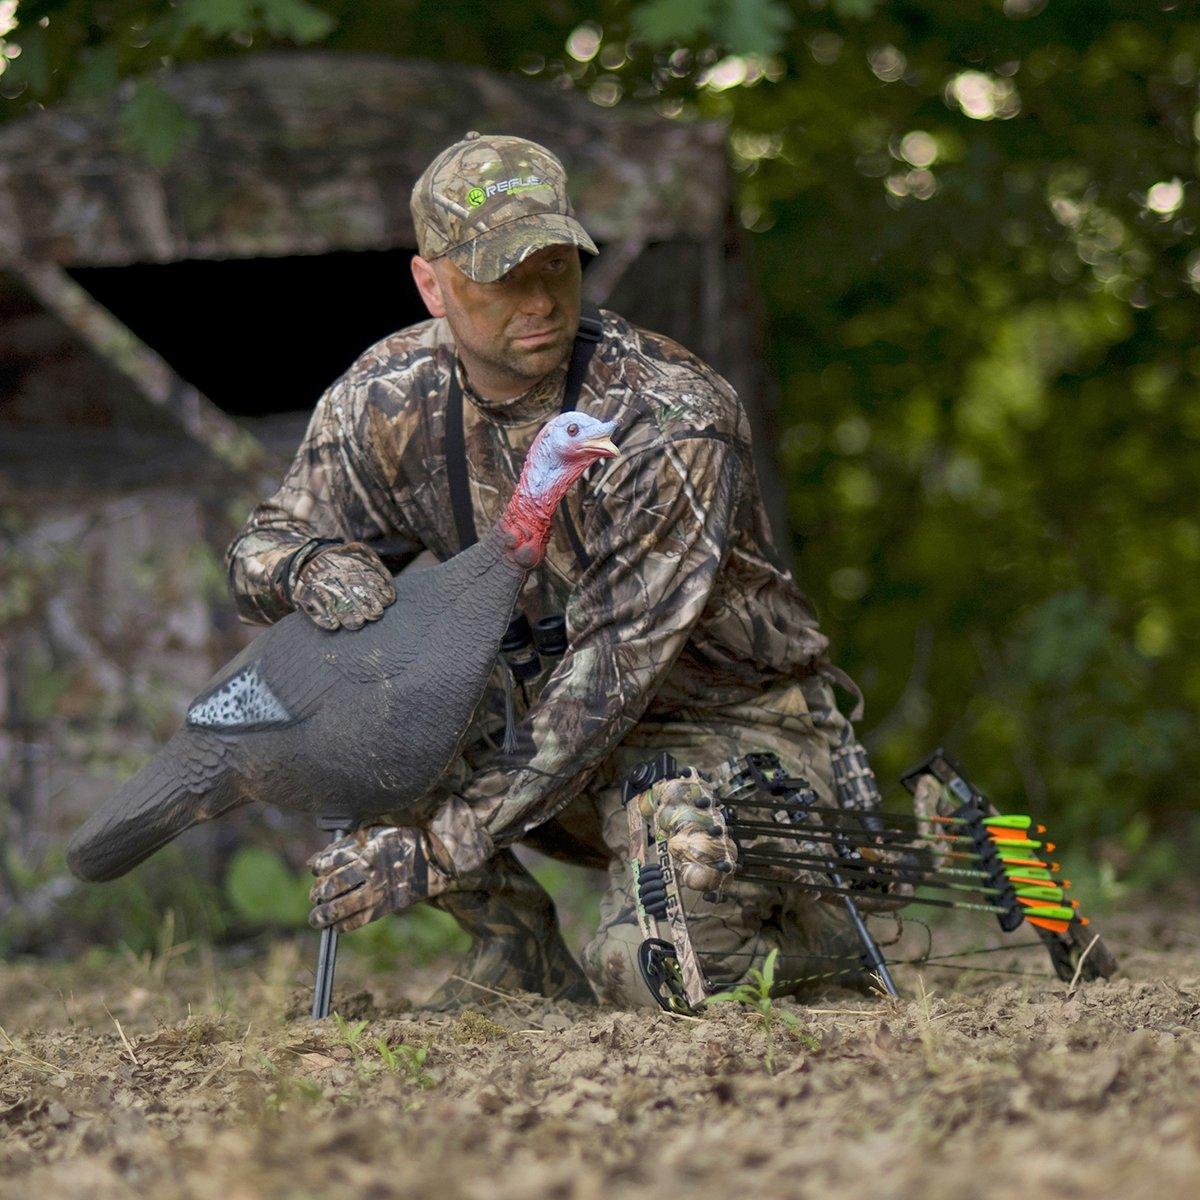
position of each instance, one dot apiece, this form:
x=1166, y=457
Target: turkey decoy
x=349, y=725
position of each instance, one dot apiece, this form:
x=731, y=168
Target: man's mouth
x=536, y=339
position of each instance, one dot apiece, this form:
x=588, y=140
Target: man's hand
x=387, y=869
x=687, y=815
x=369, y=874
x=343, y=587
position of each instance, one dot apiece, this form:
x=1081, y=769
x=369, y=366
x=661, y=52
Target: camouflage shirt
x=683, y=610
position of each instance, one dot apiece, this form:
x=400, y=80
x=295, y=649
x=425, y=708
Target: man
x=685, y=632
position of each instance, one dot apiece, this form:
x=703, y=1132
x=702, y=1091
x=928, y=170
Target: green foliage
x=154, y=124
x=263, y=891
x=756, y=994
x=401, y=1059
x=350, y=1032
x=68, y=51
x=132, y=912
x=661, y=22
x=216, y=18
x=407, y=1060
x=740, y=26
x=973, y=230
x=752, y=26
x=296, y=20
x=291, y=19
x=417, y=937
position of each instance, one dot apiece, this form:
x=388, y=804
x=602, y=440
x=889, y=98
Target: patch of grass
x=755, y=994
x=350, y=1033
x=287, y=1090
x=474, y=1028
x=407, y=1060
x=402, y=1058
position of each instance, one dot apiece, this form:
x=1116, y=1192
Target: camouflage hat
x=488, y=202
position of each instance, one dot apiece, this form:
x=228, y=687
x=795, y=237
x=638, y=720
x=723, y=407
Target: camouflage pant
x=518, y=945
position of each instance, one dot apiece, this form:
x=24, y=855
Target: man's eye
x=556, y=266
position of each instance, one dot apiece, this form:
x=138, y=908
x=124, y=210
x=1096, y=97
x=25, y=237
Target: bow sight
x=954, y=851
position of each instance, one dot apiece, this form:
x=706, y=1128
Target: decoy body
x=348, y=724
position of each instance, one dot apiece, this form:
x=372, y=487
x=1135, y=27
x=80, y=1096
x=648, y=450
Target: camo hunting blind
x=164, y=333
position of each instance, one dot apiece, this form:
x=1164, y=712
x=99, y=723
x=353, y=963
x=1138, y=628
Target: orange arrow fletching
x=1047, y=923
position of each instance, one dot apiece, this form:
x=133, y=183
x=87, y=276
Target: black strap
x=456, y=465
x=591, y=332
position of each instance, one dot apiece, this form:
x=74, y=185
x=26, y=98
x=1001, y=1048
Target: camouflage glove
x=388, y=869
x=686, y=813
x=342, y=586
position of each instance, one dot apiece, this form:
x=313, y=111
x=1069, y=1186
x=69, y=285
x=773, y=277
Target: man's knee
x=610, y=961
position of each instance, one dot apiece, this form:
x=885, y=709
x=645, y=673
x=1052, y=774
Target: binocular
x=525, y=645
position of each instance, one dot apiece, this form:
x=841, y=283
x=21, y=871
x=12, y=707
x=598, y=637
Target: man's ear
x=428, y=285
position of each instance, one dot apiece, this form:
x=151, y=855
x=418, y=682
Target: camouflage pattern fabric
x=517, y=945
x=683, y=608
x=342, y=586
x=488, y=202
x=686, y=814
x=686, y=632
x=373, y=872
x=736, y=931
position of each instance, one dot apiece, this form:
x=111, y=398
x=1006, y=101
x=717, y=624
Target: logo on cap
x=477, y=195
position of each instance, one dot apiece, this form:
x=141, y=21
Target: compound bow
x=954, y=851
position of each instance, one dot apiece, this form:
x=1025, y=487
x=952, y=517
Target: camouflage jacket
x=683, y=609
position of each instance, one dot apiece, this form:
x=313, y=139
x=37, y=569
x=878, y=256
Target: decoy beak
x=602, y=447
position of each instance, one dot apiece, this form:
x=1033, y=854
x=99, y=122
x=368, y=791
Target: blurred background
x=945, y=252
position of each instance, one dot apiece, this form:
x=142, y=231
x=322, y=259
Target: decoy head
x=561, y=452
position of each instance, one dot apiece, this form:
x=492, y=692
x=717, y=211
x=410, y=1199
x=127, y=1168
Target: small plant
x=350, y=1033
x=287, y=1088
x=406, y=1058
x=755, y=993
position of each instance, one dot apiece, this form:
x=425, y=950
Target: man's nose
x=537, y=299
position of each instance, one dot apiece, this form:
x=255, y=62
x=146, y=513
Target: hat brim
x=494, y=253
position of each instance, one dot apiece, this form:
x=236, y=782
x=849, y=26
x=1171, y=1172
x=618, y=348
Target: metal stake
x=327, y=954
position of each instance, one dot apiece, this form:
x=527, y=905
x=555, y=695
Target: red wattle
x=527, y=517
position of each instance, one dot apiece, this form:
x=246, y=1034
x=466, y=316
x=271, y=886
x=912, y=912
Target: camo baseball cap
x=490, y=201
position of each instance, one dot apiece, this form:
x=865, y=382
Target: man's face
x=521, y=327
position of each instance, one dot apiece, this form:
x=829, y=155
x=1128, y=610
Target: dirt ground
x=183, y=1075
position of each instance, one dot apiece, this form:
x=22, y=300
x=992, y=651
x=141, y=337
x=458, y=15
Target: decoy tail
x=187, y=782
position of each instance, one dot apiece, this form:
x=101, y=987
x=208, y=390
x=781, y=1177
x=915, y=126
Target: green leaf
x=33, y=65
x=768, y=970
x=219, y=17
x=98, y=75
x=855, y=8
x=753, y=26
x=297, y=20
x=263, y=891
x=662, y=22
x=154, y=125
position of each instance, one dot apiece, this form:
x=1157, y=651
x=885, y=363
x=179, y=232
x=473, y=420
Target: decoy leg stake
x=327, y=954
